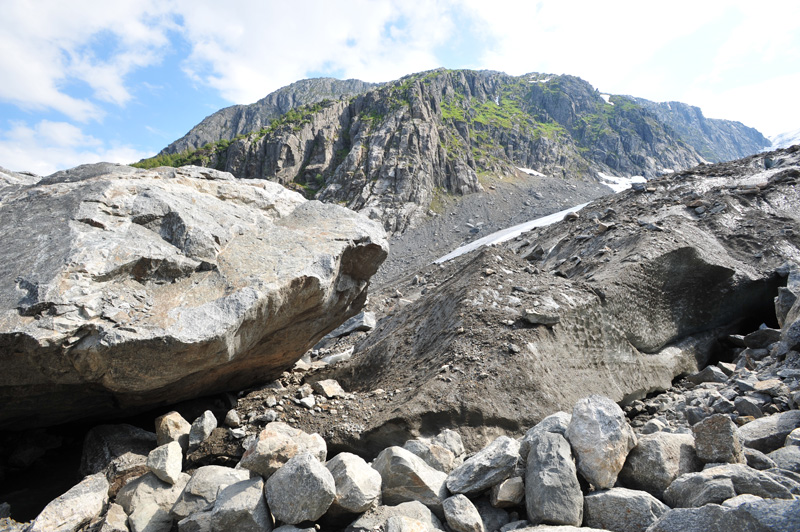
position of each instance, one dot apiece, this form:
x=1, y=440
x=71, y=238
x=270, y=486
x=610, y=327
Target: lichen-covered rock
x=716, y=440
x=600, y=438
x=301, y=490
x=128, y=288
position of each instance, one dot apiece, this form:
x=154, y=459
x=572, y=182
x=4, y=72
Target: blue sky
x=89, y=80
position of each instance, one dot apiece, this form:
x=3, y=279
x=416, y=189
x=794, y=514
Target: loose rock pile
x=587, y=468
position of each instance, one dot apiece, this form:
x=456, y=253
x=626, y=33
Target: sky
x=92, y=80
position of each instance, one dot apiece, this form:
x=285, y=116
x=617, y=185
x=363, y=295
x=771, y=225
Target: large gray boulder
x=769, y=433
x=406, y=477
x=622, y=510
x=358, y=486
x=756, y=516
x=632, y=306
x=376, y=518
x=491, y=465
x=715, y=484
x=716, y=440
x=657, y=460
x=148, y=502
x=276, y=444
x=69, y=512
x=461, y=514
x=123, y=288
x=201, y=490
x=552, y=491
x=242, y=507
x=301, y=490
x=600, y=438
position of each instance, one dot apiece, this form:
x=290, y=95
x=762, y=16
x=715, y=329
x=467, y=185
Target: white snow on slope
x=784, y=140
x=618, y=184
x=530, y=171
x=509, y=233
x=607, y=98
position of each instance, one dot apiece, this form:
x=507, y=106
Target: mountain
x=784, y=140
x=716, y=140
x=227, y=123
x=396, y=150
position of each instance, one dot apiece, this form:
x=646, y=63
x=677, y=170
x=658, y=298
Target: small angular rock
x=201, y=429
x=329, y=388
x=717, y=440
x=509, y=492
x=172, y=427
x=166, y=462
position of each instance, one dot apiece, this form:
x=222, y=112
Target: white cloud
x=49, y=49
x=277, y=43
x=46, y=147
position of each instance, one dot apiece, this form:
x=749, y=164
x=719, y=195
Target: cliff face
x=389, y=151
x=227, y=123
x=716, y=140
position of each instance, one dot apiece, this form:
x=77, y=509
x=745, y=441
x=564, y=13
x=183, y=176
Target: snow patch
x=534, y=80
x=618, y=184
x=607, y=98
x=497, y=99
x=509, y=233
x=529, y=171
x=784, y=140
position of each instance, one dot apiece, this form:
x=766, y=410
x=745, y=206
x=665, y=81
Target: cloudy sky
x=91, y=80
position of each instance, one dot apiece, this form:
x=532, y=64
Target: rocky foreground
x=721, y=454
x=124, y=289
x=719, y=451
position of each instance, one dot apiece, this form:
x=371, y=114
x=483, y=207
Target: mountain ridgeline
x=389, y=150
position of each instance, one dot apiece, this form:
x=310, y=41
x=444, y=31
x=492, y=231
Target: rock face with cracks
x=123, y=288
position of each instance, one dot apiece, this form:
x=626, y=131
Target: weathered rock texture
x=236, y=120
x=122, y=288
x=638, y=305
x=388, y=151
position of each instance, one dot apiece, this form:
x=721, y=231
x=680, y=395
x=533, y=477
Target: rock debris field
x=579, y=377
